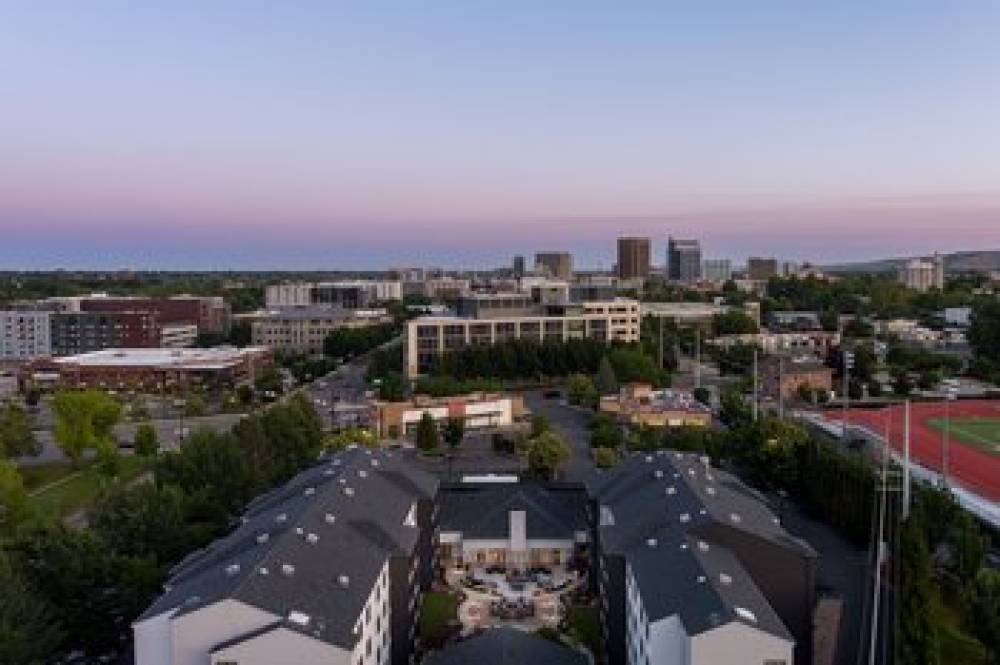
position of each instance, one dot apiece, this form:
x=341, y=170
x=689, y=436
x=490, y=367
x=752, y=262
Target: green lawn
x=440, y=608
x=79, y=488
x=585, y=627
x=981, y=433
x=39, y=475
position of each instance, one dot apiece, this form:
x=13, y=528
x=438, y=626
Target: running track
x=968, y=466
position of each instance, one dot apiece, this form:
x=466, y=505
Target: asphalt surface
x=571, y=422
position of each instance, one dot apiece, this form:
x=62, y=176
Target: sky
x=359, y=135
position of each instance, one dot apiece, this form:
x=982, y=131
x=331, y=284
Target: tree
x=606, y=382
x=427, y=433
x=16, y=436
x=143, y=520
x=15, y=509
x=606, y=458
x=703, y=395
x=604, y=431
x=984, y=329
x=917, y=642
x=539, y=424
x=546, y=453
x=983, y=609
x=29, y=632
x=194, y=405
x=580, y=390
x=969, y=546
x=84, y=421
x=733, y=322
x=901, y=384
x=454, y=432
x=146, y=443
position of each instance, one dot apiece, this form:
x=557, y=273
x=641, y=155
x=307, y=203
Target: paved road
x=571, y=423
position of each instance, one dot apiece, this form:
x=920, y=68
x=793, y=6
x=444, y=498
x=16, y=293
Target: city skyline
x=348, y=137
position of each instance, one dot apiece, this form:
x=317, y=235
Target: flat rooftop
x=219, y=357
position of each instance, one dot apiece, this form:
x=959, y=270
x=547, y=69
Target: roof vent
x=263, y=538
x=310, y=491
x=336, y=461
x=263, y=570
x=746, y=614
x=649, y=459
x=298, y=618
x=327, y=472
x=329, y=518
x=734, y=517
x=671, y=490
x=281, y=518
x=362, y=473
x=678, y=456
x=710, y=490
x=702, y=579
x=233, y=569
x=685, y=517
x=312, y=538
x=690, y=472
x=684, y=546
x=702, y=545
x=287, y=569
x=725, y=579
x=342, y=480
x=703, y=512
x=348, y=491
x=651, y=542
x=344, y=581
x=658, y=473
x=299, y=531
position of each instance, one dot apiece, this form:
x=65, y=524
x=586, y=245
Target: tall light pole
x=848, y=365
x=950, y=394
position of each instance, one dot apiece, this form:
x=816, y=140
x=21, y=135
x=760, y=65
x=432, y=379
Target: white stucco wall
x=153, y=640
x=195, y=633
x=285, y=647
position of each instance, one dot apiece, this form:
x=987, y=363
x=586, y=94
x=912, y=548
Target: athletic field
x=973, y=452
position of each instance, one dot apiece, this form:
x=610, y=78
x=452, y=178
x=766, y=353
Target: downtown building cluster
x=688, y=566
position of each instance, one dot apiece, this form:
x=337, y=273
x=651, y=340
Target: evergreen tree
x=427, y=433
x=606, y=382
x=917, y=641
x=146, y=443
x=29, y=633
x=983, y=608
x=16, y=436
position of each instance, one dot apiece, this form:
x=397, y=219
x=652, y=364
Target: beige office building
x=923, y=274
x=303, y=329
x=555, y=264
x=429, y=337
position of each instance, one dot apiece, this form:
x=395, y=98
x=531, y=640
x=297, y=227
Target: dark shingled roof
x=342, y=517
x=506, y=646
x=655, y=510
x=482, y=510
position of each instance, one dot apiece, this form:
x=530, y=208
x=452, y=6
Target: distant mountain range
x=984, y=261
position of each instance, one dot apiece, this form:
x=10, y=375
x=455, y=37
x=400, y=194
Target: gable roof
x=482, y=510
x=315, y=545
x=506, y=646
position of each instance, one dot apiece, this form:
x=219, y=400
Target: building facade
x=82, y=332
x=639, y=405
x=683, y=260
x=348, y=294
x=717, y=270
x=476, y=411
x=761, y=269
x=633, y=258
x=209, y=313
x=302, y=330
x=555, y=264
x=923, y=274
x=25, y=334
x=429, y=337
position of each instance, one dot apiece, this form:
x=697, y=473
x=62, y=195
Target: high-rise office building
x=519, y=267
x=683, y=260
x=556, y=264
x=761, y=269
x=717, y=270
x=633, y=258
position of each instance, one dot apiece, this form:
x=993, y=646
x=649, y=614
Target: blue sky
x=252, y=134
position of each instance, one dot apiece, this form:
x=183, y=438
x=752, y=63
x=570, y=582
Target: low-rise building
x=303, y=329
x=330, y=568
x=209, y=313
x=151, y=368
x=788, y=376
x=793, y=321
x=178, y=335
x=700, y=314
x=814, y=342
x=476, y=410
x=693, y=568
x=349, y=294
x=640, y=405
x=494, y=319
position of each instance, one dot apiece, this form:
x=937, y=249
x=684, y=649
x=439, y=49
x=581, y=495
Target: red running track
x=969, y=466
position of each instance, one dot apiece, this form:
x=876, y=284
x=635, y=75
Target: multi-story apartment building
x=923, y=274
x=330, y=568
x=83, y=332
x=717, y=270
x=683, y=260
x=761, y=269
x=349, y=294
x=210, y=313
x=303, y=329
x=555, y=264
x=633, y=258
x=693, y=569
x=25, y=334
x=486, y=320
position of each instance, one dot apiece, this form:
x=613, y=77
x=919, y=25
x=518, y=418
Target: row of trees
x=77, y=591
x=350, y=342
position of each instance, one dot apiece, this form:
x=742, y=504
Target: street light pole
x=848, y=364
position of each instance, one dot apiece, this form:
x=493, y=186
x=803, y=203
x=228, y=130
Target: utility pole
x=755, y=383
x=880, y=548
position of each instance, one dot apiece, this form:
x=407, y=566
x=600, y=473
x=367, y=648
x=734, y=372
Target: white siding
x=736, y=643
x=153, y=643
x=196, y=633
x=283, y=646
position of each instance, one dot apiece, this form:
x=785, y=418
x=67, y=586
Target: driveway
x=571, y=422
